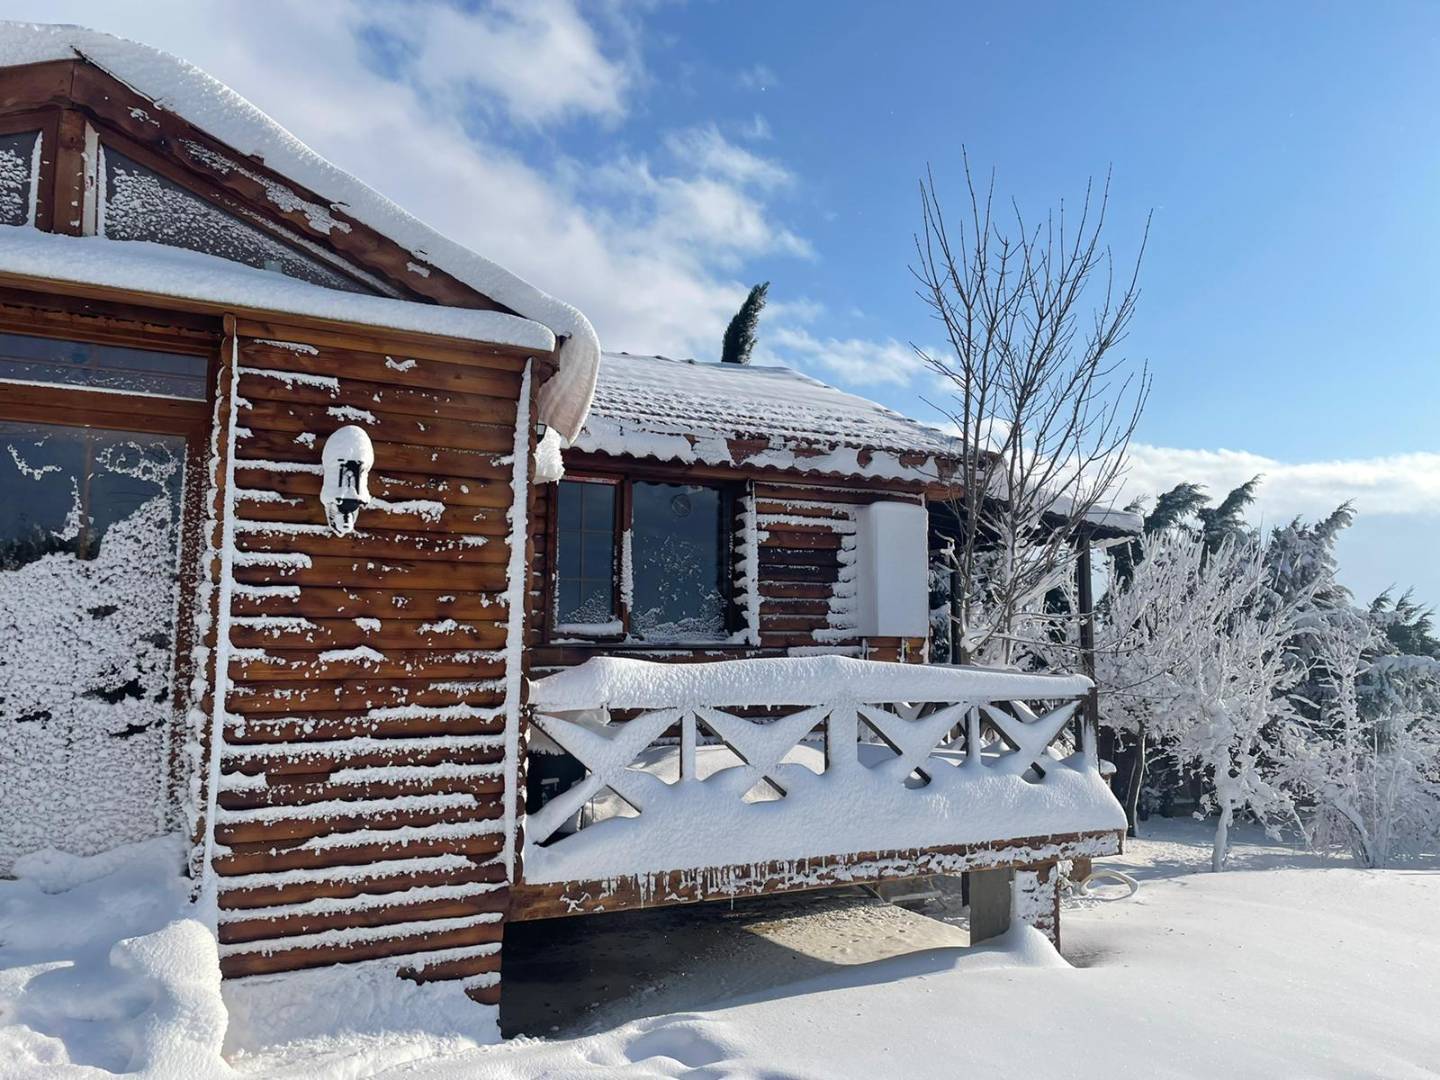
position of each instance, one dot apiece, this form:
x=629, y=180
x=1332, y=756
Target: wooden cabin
x=287, y=562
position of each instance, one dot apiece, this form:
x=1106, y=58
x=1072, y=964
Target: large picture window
x=101, y=504
x=642, y=561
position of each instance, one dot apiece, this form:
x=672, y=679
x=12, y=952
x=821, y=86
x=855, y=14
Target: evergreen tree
x=1407, y=626
x=740, y=334
x=1173, y=507
x=1171, y=510
x=1302, y=555
x=1227, y=521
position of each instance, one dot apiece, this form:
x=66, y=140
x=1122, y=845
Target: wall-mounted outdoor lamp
x=345, y=488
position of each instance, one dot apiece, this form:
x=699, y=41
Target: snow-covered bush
x=1246, y=666
x=1370, y=764
x=1193, y=653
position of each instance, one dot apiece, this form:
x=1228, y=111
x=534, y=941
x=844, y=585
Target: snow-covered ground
x=1288, y=965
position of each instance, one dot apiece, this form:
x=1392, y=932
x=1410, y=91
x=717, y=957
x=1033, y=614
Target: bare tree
x=1043, y=408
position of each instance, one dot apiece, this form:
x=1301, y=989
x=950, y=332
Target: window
x=101, y=367
x=18, y=155
x=90, y=605
x=677, y=549
x=668, y=543
x=585, y=583
x=140, y=204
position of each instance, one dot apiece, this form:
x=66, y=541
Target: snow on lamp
x=347, y=458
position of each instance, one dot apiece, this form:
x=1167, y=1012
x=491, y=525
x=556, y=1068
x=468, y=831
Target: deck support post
x=990, y=903
x=1030, y=896
x=1036, y=899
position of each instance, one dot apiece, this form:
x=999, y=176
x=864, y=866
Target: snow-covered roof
x=689, y=411
x=190, y=275
x=182, y=88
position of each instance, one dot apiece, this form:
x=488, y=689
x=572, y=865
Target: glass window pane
x=599, y=506
x=567, y=597
x=583, y=602
x=140, y=204
x=569, y=499
x=106, y=367
x=678, y=548
x=63, y=489
x=17, y=177
x=597, y=554
x=568, y=555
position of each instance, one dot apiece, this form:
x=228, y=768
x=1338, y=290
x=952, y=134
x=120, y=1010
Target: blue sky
x=650, y=161
x=1291, y=154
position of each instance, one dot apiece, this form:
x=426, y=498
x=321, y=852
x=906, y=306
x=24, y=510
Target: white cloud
x=757, y=77
x=757, y=129
x=1394, y=484
x=857, y=361
x=538, y=58
x=705, y=149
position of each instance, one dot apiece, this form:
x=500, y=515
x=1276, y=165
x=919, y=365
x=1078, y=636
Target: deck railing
x=716, y=764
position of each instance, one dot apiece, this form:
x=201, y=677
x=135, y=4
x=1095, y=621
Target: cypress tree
x=1227, y=521
x=740, y=334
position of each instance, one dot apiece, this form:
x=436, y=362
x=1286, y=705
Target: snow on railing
x=744, y=761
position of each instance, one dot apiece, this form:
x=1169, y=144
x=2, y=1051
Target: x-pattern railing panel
x=916, y=733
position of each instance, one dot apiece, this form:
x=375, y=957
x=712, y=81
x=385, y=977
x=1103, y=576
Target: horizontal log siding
x=806, y=533
x=360, y=806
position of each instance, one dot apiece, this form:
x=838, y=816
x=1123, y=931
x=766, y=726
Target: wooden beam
x=77, y=407
x=70, y=171
x=106, y=323
x=548, y=900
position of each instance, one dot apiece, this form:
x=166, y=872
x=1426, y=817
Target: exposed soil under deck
x=564, y=977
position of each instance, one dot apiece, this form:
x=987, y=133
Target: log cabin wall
x=360, y=810
x=805, y=532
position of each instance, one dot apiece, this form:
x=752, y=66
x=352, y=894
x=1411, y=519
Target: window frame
x=730, y=493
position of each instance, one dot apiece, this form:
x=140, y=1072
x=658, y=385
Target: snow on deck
x=866, y=808
x=623, y=682
x=191, y=275
x=210, y=105
x=685, y=410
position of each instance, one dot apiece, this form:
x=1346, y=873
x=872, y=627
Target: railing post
x=842, y=733
x=687, y=746
x=972, y=738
